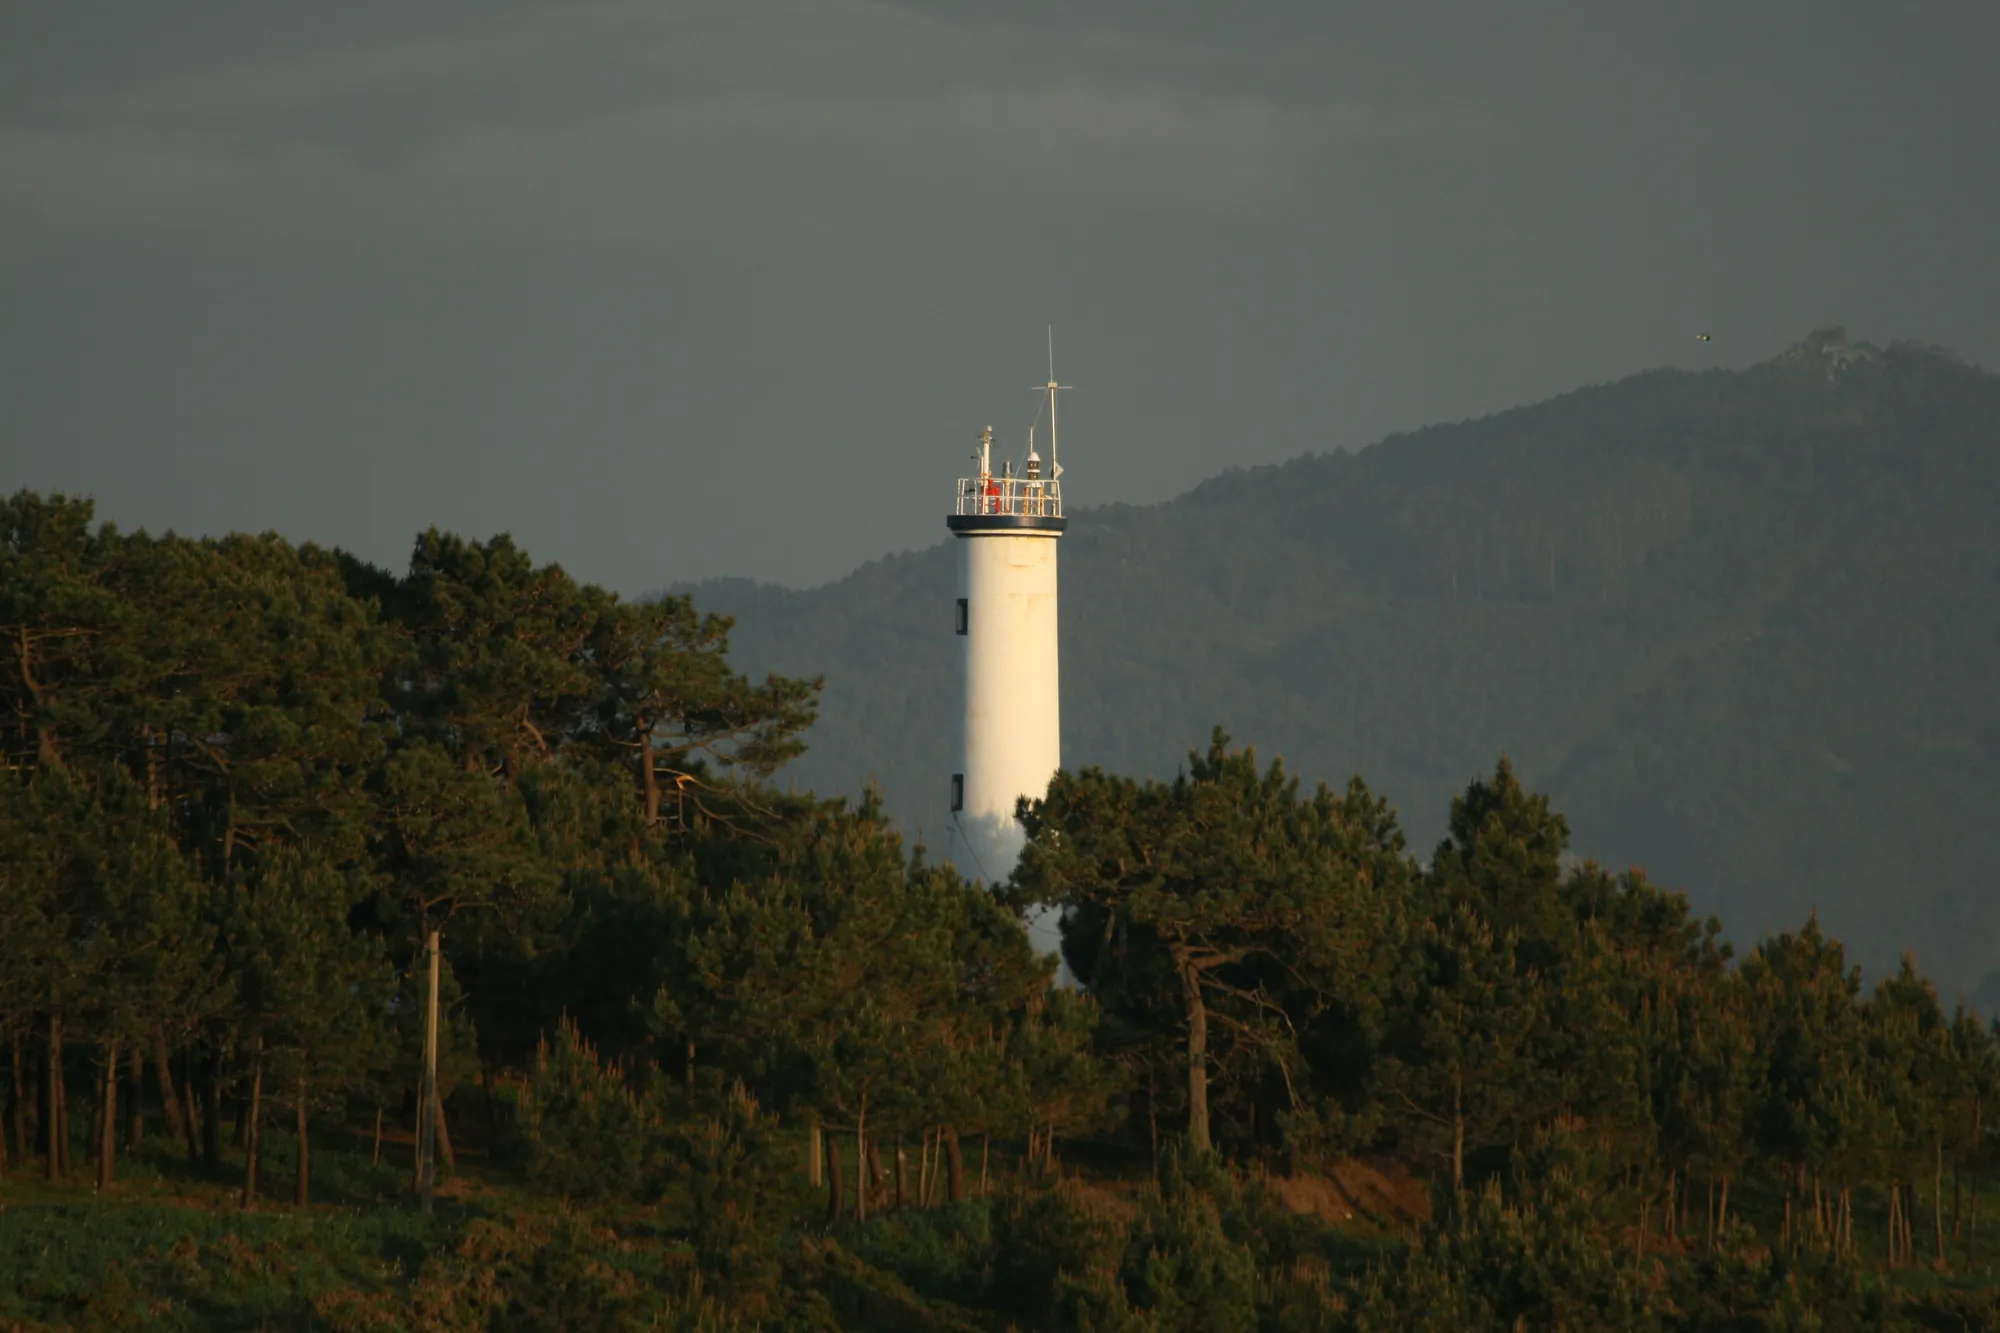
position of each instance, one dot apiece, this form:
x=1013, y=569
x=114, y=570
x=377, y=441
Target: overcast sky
x=678, y=289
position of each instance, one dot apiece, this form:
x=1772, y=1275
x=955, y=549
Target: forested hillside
x=713, y=1056
x=1745, y=626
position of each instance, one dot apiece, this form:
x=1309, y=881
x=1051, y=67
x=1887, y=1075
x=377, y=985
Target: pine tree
x=1812, y=1113
x=1910, y=1071
x=1973, y=1092
x=669, y=707
x=60, y=619
x=1503, y=859
x=1461, y=1075
x=496, y=671
x=312, y=994
x=1205, y=879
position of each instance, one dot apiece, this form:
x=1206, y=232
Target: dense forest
x=718, y=1054
x=1742, y=625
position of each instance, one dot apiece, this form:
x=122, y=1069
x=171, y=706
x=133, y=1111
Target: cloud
x=635, y=122
x=116, y=176
x=973, y=146
x=315, y=80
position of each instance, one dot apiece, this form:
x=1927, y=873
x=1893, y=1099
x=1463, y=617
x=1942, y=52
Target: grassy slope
x=171, y=1249
x=1744, y=626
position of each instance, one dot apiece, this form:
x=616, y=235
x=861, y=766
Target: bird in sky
x=1701, y=337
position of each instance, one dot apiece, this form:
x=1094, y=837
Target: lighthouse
x=1008, y=524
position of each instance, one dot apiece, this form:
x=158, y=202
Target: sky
x=727, y=287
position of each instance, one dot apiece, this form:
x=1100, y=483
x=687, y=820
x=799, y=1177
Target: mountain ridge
x=1740, y=624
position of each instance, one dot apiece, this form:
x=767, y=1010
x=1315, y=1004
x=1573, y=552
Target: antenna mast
x=1055, y=467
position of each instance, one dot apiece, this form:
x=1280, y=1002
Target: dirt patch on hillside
x=1378, y=1190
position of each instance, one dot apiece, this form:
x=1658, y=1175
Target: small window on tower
x=962, y=615
x=958, y=785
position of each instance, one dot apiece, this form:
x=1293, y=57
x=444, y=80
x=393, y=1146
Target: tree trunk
x=252, y=1138
x=1153, y=1121
x=163, y=1074
x=902, y=1172
x=67, y=1148
x=954, y=1162
x=135, y=1137
x=1197, y=1054
x=375, y=1153
x=189, y=1112
x=649, y=776
x=1972, y=1220
x=153, y=783
x=444, y=1137
x=986, y=1145
x=815, y=1151
x=22, y=1102
x=861, y=1163
x=55, y=1087
x=1896, y=1237
x=1722, y=1208
x=1895, y=1203
x=211, y=1114
x=418, y=1140
x=1458, y=1130
x=836, y=1193
x=302, y=1192
x=424, y=1160
x=107, y=1141
x=1910, y=1222
x=877, y=1177
x=1972, y=1213
x=1937, y=1199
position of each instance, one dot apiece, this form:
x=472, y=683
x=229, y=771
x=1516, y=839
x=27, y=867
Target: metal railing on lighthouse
x=1027, y=497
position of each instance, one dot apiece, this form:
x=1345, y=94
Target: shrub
x=583, y=1133
x=1056, y=1255
x=1182, y=1266
x=732, y=1168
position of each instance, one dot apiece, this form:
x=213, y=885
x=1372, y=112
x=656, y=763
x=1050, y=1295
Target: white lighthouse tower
x=1008, y=526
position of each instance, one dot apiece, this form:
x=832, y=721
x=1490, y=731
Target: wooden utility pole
x=427, y=1094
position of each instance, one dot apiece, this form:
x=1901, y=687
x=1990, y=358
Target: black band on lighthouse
x=966, y=525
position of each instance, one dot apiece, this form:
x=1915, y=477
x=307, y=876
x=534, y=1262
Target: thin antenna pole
x=1055, y=467
x=1052, y=402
